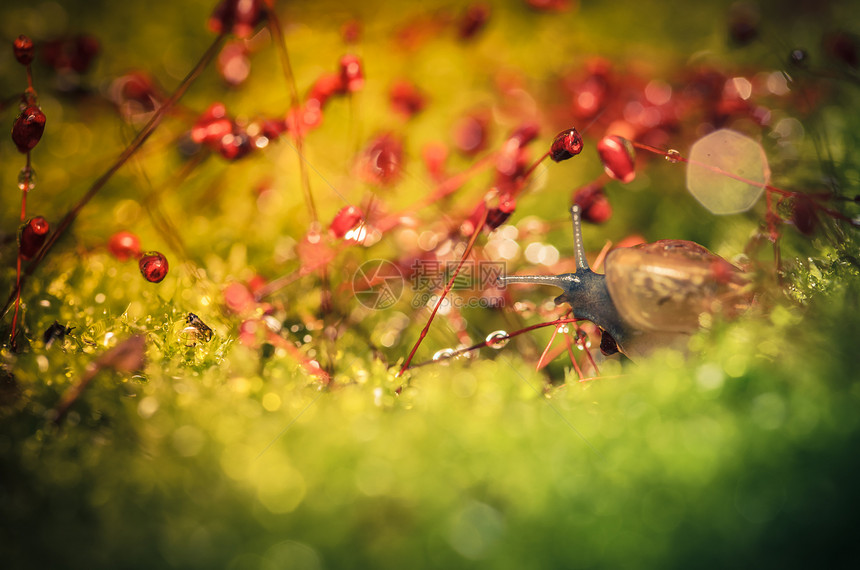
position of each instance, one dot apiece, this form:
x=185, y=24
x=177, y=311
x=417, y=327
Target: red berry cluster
x=32, y=236
x=349, y=79
x=125, y=245
x=239, y=17
x=221, y=133
x=74, y=55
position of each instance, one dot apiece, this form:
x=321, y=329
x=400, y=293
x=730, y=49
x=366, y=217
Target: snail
x=651, y=295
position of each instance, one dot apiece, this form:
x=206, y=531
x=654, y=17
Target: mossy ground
x=741, y=454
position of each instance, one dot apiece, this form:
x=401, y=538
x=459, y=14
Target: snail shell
x=666, y=285
x=651, y=295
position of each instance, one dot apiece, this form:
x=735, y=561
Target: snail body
x=651, y=295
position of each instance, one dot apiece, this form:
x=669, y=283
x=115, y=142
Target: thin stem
x=281, y=42
x=24, y=191
x=508, y=336
x=445, y=291
x=129, y=151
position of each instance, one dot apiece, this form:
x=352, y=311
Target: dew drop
x=26, y=179
x=444, y=354
x=673, y=156
x=497, y=339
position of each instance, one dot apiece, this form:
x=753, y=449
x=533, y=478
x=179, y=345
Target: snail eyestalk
x=578, y=246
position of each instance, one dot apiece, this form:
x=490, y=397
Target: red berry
x=153, y=266
x=382, y=160
x=470, y=133
x=325, y=86
x=235, y=145
x=28, y=128
x=473, y=20
x=498, y=216
x=803, y=215
x=23, y=48
x=33, y=235
x=435, y=155
x=212, y=126
x=71, y=54
x=351, y=73
x=567, y=144
x=406, y=99
x=346, y=219
x=239, y=298
x=124, y=245
x=135, y=93
x=304, y=119
x=237, y=16
x=234, y=65
x=350, y=31
x=616, y=153
x=595, y=206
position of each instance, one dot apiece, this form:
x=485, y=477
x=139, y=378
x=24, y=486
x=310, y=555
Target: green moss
x=217, y=454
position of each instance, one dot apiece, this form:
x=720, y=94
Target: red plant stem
x=129, y=151
x=572, y=357
x=587, y=351
x=445, y=291
x=281, y=42
x=307, y=363
x=24, y=191
x=718, y=170
x=508, y=336
x=541, y=363
x=534, y=166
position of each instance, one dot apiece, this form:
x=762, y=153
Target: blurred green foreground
x=745, y=454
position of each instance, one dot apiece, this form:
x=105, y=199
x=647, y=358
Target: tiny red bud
x=351, y=73
x=567, y=144
x=33, y=235
x=234, y=65
x=153, y=266
x=616, y=153
x=350, y=31
x=406, y=99
x=346, y=219
x=382, y=160
x=212, y=126
x=124, y=245
x=525, y=134
x=235, y=145
x=325, y=86
x=594, y=203
x=804, y=216
x=473, y=20
x=470, y=134
x=435, y=155
x=24, y=49
x=71, y=55
x=240, y=17
x=28, y=128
